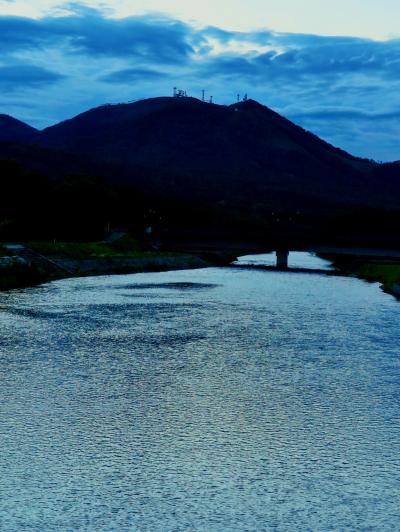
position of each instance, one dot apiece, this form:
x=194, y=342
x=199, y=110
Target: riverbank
x=17, y=273
x=385, y=272
x=41, y=262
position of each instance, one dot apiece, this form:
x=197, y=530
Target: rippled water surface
x=212, y=400
x=296, y=259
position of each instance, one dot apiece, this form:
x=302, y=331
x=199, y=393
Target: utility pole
x=203, y=95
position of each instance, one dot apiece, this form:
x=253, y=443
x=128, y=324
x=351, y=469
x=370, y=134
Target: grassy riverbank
x=384, y=272
x=125, y=247
x=77, y=259
x=122, y=256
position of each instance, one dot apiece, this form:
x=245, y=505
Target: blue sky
x=332, y=67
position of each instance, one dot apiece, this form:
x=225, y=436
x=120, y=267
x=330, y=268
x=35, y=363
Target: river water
x=297, y=259
x=214, y=400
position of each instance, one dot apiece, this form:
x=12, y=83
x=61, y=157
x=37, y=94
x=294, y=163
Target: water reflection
x=297, y=259
x=213, y=399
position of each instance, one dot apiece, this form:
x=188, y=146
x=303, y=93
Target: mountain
x=242, y=158
x=236, y=154
x=14, y=130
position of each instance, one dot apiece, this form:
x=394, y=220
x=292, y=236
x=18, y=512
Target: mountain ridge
x=244, y=155
x=12, y=129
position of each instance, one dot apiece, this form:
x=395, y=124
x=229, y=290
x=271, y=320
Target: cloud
x=80, y=57
x=87, y=31
x=328, y=59
x=130, y=75
x=351, y=114
x=15, y=77
x=20, y=33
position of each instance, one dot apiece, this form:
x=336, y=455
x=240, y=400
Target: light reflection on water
x=212, y=399
x=297, y=259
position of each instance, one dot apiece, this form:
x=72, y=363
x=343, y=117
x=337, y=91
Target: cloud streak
x=86, y=31
x=15, y=77
x=336, y=86
x=130, y=75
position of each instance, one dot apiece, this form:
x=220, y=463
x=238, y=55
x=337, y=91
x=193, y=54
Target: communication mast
x=179, y=93
x=203, y=95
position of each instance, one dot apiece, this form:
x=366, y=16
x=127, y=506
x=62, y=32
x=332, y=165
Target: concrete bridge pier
x=282, y=262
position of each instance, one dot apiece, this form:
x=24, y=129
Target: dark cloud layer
x=129, y=75
x=83, y=58
x=87, y=31
x=348, y=115
x=328, y=59
x=14, y=77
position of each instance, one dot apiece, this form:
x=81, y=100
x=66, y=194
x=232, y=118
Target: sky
x=332, y=67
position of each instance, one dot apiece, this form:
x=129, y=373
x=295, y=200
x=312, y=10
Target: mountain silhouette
x=12, y=129
x=244, y=156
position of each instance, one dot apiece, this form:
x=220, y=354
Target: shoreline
x=392, y=289
x=371, y=270
x=16, y=272
x=24, y=275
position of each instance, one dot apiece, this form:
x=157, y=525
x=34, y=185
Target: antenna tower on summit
x=178, y=93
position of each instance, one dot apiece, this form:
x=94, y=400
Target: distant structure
x=178, y=93
x=240, y=99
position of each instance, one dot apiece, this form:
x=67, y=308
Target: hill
x=12, y=129
x=205, y=164
x=185, y=147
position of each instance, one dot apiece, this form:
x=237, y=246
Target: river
x=218, y=399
